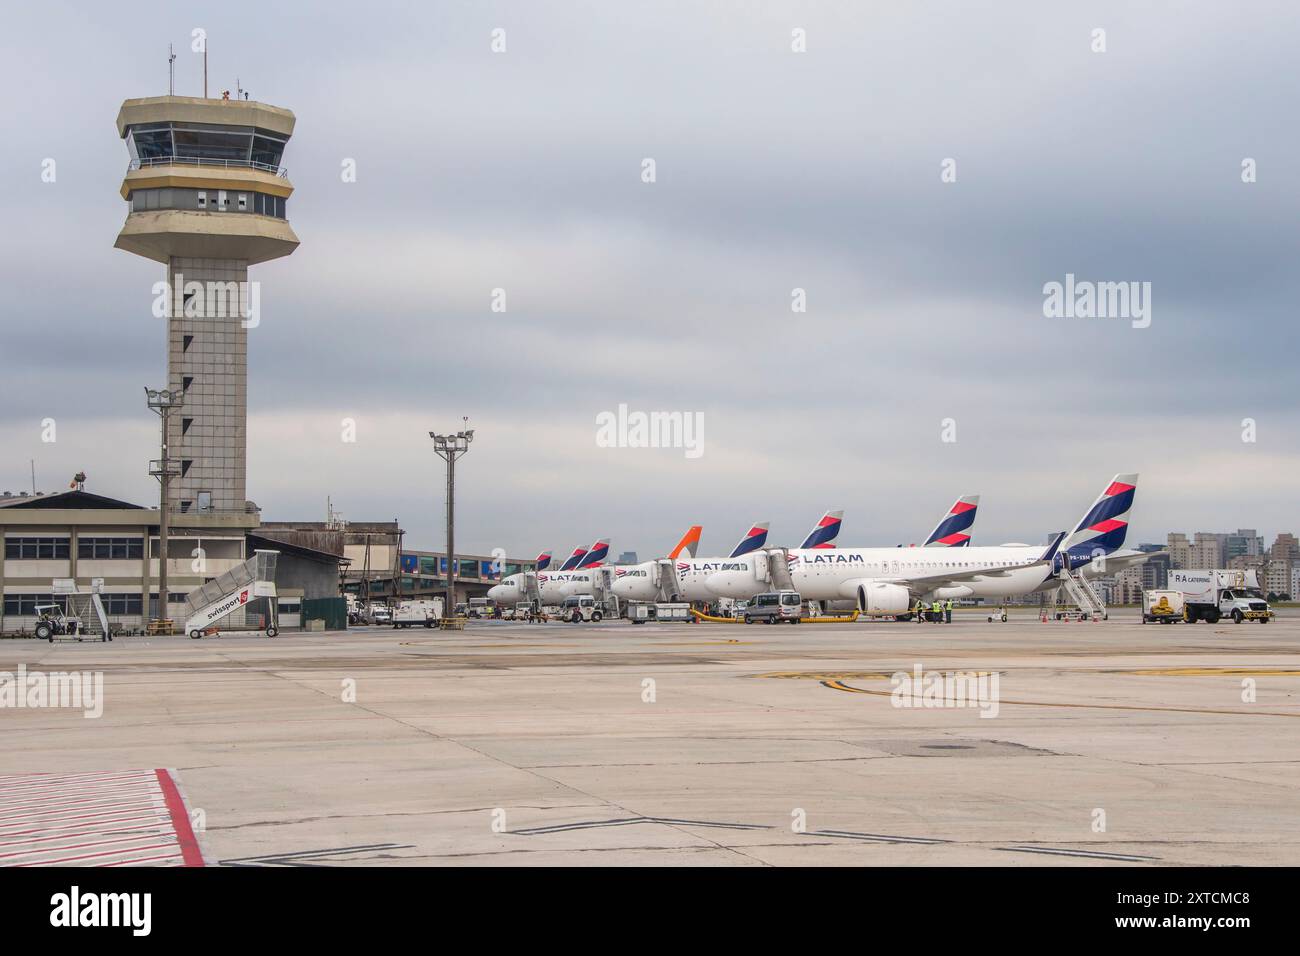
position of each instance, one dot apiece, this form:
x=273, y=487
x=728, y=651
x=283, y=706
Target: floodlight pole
x=162, y=401
x=449, y=448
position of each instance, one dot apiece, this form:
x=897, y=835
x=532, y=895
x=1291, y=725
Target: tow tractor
x=581, y=607
x=52, y=621
x=80, y=618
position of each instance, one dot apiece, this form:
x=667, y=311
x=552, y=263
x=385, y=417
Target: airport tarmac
x=708, y=744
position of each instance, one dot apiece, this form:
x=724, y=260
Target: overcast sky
x=775, y=170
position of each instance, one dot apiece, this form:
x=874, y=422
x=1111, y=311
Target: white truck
x=1210, y=595
x=418, y=613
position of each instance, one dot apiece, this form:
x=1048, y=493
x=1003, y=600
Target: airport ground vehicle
x=773, y=607
x=425, y=613
x=1211, y=594
x=53, y=622
x=1162, y=606
x=638, y=612
x=381, y=614
x=475, y=608
x=581, y=607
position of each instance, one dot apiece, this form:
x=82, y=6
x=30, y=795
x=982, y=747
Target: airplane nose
x=498, y=592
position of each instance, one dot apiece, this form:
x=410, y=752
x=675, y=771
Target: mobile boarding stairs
x=1085, y=602
x=232, y=592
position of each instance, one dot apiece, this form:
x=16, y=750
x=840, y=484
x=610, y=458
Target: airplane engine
x=876, y=598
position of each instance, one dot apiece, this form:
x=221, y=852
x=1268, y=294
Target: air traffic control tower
x=207, y=198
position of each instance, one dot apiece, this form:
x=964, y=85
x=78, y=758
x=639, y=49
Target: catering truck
x=1210, y=595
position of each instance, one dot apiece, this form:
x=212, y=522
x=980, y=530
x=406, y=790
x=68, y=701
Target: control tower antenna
x=171, y=71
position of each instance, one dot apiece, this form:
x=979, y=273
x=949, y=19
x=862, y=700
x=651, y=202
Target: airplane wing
x=1119, y=560
x=951, y=578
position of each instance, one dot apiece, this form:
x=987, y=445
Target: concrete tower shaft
x=207, y=197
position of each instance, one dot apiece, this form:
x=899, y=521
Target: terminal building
x=101, y=542
x=378, y=567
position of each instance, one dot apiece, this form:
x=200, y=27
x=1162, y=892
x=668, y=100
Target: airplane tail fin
x=954, y=529
x=543, y=560
x=689, y=544
x=824, y=531
x=574, y=560
x=1103, y=528
x=596, y=555
x=754, y=539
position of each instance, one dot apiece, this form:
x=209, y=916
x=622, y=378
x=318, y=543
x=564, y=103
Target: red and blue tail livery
x=596, y=554
x=954, y=529
x=752, y=541
x=825, y=532
x=1103, y=529
x=574, y=560
x=543, y=561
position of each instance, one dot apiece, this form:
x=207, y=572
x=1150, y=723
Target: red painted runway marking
x=103, y=818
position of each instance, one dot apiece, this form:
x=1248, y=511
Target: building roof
x=314, y=554
x=69, y=500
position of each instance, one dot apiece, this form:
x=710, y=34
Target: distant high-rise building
x=1207, y=550
x=1180, y=550
x=1244, y=542
x=627, y=557
x=1285, y=548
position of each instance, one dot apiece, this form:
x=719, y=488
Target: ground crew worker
x=920, y=611
x=936, y=610
x=947, y=612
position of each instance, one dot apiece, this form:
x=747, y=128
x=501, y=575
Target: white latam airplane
x=886, y=580
x=749, y=576
x=516, y=587
x=680, y=577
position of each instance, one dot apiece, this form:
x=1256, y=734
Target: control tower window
x=198, y=143
x=150, y=142
x=267, y=150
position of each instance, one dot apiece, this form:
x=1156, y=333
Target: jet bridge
x=221, y=597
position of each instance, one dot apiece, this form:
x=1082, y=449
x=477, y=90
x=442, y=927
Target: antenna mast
x=171, y=71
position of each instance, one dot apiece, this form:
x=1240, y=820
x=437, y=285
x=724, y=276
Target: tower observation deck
x=207, y=197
